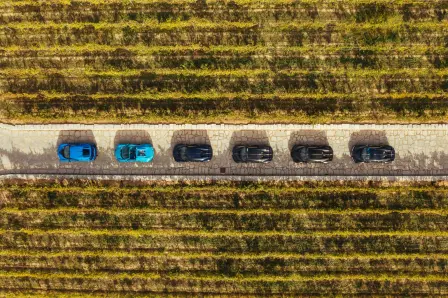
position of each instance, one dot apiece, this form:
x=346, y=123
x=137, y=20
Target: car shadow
x=132, y=137
x=367, y=137
x=28, y=160
x=308, y=137
x=249, y=137
x=435, y=163
x=190, y=137
x=76, y=136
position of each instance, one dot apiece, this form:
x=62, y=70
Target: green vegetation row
x=253, y=11
x=196, y=57
x=230, y=242
x=222, y=51
x=209, y=107
x=224, y=221
x=244, y=238
x=230, y=34
x=137, y=51
x=226, y=197
x=221, y=286
x=253, y=81
x=224, y=265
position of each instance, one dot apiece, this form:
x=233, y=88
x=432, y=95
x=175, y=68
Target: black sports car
x=320, y=154
x=252, y=153
x=367, y=153
x=192, y=153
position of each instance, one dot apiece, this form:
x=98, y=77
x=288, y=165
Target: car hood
x=264, y=154
x=198, y=153
x=76, y=152
x=382, y=154
x=319, y=153
x=144, y=153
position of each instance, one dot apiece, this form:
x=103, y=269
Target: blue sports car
x=77, y=152
x=134, y=153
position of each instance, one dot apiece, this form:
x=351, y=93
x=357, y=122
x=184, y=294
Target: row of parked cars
x=84, y=152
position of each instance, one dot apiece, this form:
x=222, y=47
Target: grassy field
x=85, y=237
x=241, y=61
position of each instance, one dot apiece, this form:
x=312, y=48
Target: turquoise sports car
x=134, y=152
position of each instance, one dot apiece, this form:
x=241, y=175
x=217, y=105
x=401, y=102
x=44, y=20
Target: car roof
x=197, y=151
x=76, y=151
x=258, y=153
x=147, y=149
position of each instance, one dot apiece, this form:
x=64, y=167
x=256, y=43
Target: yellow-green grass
x=229, y=238
x=263, y=11
x=228, y=220
x=223, y=61
x=105, y=57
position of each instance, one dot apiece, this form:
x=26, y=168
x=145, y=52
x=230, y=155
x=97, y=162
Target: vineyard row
x=225, y=34
x=123, y=59
x=253, y=81
x=226, y=221
x=151, y=284
x=255, y=11
x=228, y=242
x=227, y=198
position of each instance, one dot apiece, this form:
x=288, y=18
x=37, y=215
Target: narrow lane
x=31, y=149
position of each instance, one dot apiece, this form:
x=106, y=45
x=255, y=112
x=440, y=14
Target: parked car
x=252, y=154
x=192, y=153
x=314, y=154
x=77, y=152
x=134, y=152
x=378, y=154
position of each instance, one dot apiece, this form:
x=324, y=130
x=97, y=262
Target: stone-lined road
x=31, y=149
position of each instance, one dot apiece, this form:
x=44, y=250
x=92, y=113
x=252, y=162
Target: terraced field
x=223, y=61
x=214, y=61
x=247, y=239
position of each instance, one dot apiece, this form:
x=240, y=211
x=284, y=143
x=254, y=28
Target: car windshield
x=377, y=154
x=133, y=153
x=183, y=152
x=243, y=153
x=85, y=152
x=125, y=152
x=303, y=154
x=66, y=152
x=128, y=153
x=365, y=153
